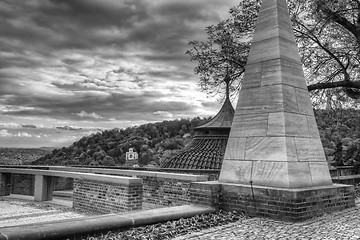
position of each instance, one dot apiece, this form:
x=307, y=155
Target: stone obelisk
x=274, y=140
x=274, y=163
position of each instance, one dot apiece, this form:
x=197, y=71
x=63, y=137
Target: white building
x=131, y=155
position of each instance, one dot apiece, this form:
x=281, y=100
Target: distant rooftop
x=223, y=119
x=208, y=146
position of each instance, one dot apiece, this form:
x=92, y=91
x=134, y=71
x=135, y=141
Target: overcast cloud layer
x=69, y=68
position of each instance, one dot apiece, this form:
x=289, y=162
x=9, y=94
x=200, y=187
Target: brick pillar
x=135, y=196
x=43, y=188
x=105, y=197
x=5, y=184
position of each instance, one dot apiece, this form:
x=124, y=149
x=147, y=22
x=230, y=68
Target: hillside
x=155, y=142
x=14, y=156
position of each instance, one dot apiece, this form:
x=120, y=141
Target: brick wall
x=165, y=191
x=103, y=197
x=162, y=188
x=289, y=205
x=5, y=184
x=22, y=184
x=205, y=193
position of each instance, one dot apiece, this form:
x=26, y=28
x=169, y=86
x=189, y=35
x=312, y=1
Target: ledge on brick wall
x=134, y=173
x=83, y=226
x=76, y=175
x=293, y=190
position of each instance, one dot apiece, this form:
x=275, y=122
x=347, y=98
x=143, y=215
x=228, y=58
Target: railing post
x=43, y=188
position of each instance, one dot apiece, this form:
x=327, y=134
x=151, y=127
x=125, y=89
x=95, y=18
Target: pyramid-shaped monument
x=274, y=163
x=274, y=140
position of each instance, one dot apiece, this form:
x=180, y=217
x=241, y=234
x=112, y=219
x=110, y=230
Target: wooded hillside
x=156, y=142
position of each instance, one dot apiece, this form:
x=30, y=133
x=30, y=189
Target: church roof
x=221, y=120
x=204, y=153
x=207, y=151
x=225, y=116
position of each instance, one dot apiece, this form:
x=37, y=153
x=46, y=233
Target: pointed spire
x=208, y=146
x=274, y=140
x=227, y=81
x=224, y=118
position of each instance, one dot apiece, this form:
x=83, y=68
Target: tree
x=146, y=157
x=327, y=33
x=108, y=161
x=226, y=49
x=109, y=147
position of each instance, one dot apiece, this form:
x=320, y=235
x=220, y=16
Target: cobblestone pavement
x=340, y=225
x=15, y=213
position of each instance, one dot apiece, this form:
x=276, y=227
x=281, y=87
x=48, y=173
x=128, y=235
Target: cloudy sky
x=69, y=68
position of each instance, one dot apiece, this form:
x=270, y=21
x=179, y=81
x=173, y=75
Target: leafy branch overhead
x=327, y=33
x=226, y=49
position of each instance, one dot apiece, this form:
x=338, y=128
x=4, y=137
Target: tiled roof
x=205, y=152
x=207, y=149
x=223, y=119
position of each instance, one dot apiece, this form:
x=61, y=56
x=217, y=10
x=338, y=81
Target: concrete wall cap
x=178, y=176
x=76, y=175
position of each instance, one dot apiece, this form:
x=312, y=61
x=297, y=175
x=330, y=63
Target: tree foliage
x=340, y=136
x=327, y=33
x=154, y=142
x=226, y=49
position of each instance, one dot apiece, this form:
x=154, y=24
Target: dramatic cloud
x=99, y=63
x=69, y=128
x=5, y=133
x=89, y=115
x=28, y=126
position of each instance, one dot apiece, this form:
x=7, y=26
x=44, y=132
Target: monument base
x=278, y=203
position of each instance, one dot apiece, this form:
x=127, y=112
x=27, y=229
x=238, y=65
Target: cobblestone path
x=340, y=225
x=15, y=213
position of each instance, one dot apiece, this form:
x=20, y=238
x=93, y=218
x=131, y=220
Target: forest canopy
x=154, y=142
